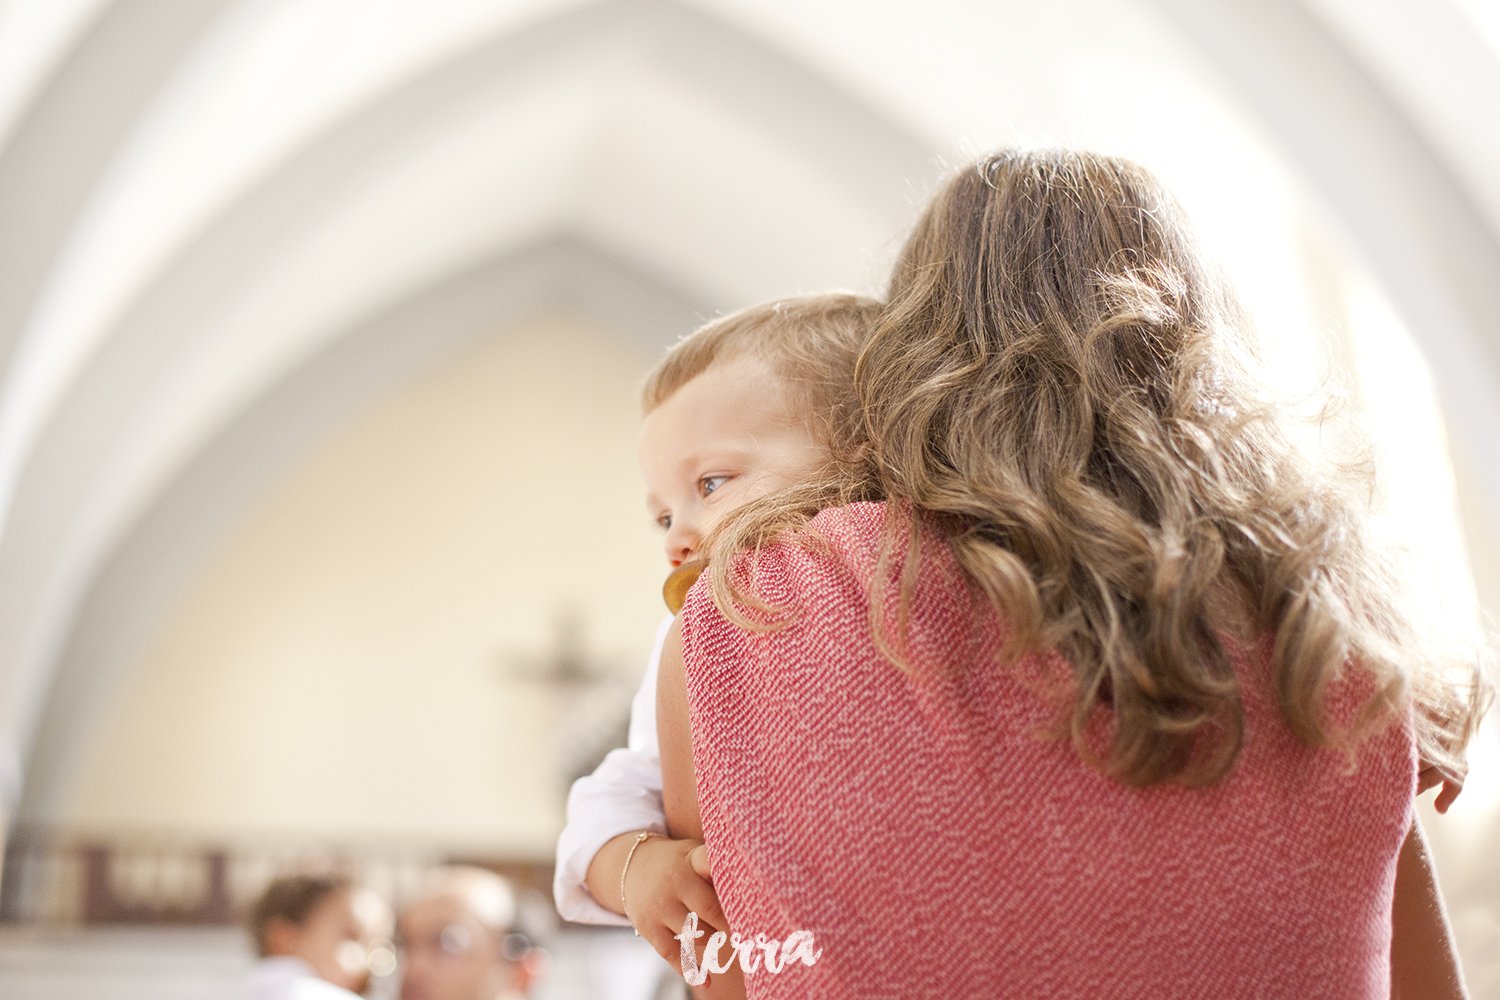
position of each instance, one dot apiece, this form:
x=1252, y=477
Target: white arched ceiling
x=246, y=193
x=34, y=39
x=63, y=133
x=1412, y=208
x=555, y=129
x=1439, y=65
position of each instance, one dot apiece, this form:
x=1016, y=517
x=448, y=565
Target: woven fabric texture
x=917, y=822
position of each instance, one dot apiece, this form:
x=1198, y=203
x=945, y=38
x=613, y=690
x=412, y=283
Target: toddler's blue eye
x=664, y=522
x=708, y=484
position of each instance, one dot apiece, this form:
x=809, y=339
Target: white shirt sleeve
x=623, y=795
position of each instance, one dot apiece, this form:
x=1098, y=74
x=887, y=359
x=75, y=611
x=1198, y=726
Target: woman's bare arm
x=1424, y=960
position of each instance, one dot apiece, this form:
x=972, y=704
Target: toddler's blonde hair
x=810, y=342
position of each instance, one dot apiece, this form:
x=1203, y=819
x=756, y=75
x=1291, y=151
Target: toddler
x=747, y=405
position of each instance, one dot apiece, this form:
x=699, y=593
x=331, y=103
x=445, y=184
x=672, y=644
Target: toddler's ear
x=698, y=858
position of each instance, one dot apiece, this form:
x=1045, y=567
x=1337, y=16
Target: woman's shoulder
x=867, y=529
x=852, y=538
x=856, y=526
x=837, y=551
x=839, y=541
x=853, y=545
x=862, y=517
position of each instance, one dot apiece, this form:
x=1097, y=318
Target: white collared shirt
x=284, y=977
x=623, y=795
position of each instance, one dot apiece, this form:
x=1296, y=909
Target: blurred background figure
x=315, y=937
x=461, y=940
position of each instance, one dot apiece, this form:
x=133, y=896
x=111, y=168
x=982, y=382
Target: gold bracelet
x=640, y=839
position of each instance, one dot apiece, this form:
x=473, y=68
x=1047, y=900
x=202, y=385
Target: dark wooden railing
x=61, y=878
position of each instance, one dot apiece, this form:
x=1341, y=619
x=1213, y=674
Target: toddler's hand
x=666, y=880
x=1431, y=776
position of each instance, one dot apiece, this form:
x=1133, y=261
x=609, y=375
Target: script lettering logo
x=798, y=946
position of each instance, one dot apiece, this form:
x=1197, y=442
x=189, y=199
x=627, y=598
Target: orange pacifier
x=679, y=582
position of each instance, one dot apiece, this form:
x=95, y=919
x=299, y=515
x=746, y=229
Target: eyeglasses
x=457, y=940
x=515, y=946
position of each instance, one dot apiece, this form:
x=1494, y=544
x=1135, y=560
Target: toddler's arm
x=622, y=796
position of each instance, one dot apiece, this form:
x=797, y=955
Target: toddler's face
x=724, y=438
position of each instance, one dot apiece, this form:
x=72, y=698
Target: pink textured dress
x=935, y=846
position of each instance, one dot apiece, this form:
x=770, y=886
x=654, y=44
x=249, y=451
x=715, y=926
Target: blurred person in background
x=315, y=937
x=461, y=940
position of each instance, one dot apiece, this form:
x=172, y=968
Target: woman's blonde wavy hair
x=1064, y=386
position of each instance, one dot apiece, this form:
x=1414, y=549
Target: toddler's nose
x=682, y=545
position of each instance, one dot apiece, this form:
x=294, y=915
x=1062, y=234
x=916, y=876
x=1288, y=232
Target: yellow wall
x=337, y=668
